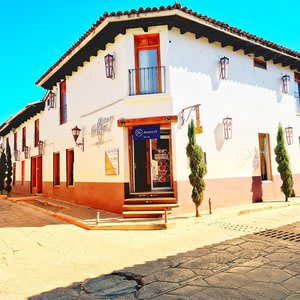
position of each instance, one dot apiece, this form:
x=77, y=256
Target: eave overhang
x=22, y=116
x=213, y=30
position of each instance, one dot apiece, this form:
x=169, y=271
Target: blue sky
x=34, y=34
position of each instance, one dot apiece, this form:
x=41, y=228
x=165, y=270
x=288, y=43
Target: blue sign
x=146, y=132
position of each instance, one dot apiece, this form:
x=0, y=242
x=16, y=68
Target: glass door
x=147, y=64
x=148, y=71
x=161, y=162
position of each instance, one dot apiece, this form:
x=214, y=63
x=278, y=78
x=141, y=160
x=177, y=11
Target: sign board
x=146, y=132
x=112, y=162
x=198, y=129
x=102, y=127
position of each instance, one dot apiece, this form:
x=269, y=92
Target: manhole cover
x=114, y=285
x=282, y=235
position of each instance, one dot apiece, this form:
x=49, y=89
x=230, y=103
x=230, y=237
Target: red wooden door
x=39, y=174
x=33, y=175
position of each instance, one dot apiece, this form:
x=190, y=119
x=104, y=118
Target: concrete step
x=144, y=214
x=151, y=194
x=149, y=207
x=148, y=200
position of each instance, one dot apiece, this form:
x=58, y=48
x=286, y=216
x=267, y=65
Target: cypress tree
x=3, y=169
x=8, y=187
x=197, y=166
x=283, y=168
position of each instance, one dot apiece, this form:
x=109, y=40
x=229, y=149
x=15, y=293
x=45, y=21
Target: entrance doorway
x=37, y=175
x=152, y=165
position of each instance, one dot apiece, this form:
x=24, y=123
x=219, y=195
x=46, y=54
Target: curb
x=172, y=222
x=81, y=224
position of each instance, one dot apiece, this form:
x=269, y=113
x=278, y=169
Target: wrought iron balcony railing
x=144, y=81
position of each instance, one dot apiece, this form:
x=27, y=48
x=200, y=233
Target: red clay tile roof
x=177, y=6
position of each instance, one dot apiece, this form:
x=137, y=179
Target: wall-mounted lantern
x=289, y=135
x=41, y=146
x=76, y=132
x=26, y=152
x=109, y=66
x=17, y=155
x=224, y=62
x=286, y=83
x=51, y=100
x=227, y=123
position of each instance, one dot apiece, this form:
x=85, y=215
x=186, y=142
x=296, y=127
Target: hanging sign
x=198, y=128
x=112, y=162
x=146, y=132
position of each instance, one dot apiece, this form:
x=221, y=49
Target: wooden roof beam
x=287, y=62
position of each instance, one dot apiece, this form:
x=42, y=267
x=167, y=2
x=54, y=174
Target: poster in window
x=112, y=162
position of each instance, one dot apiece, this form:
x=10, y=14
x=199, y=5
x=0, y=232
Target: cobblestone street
x=253, y=256
x=251, y=267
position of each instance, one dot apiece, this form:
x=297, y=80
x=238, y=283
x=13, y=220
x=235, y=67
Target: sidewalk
x=93, y=219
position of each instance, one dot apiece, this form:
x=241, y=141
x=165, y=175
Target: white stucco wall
x=251, y=96
x=90, y=96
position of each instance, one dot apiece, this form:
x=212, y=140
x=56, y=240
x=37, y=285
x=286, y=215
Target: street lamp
x=109, y=66
x=224, y=62
x=289, y=135
x=286, y=83
x=227, y=123
x=76, y=132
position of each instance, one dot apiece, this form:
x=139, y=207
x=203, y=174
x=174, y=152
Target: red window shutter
x=36, y=132
x=23, y=172
x=70, y=167
x=56, y=170
x=33, y=172
x=63, y=102
x=23, y=138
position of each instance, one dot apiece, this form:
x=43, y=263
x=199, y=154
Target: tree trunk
x=286, y=199
x=197, y=212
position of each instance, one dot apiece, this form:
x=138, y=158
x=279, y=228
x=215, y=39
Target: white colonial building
x=132, y=84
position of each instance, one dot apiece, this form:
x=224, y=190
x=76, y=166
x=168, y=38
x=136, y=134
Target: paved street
x=43, y=258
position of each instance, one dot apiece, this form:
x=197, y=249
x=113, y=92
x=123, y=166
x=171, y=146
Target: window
x=70, y=167
x=63, y=103
x=23, y=172
x=259, y=63
x=23, y=138
x=56, y=169
x=36, y=132
x=146, y=78
x=7, y=143
x=297, y=92
x=15, y=141
x=265, y=156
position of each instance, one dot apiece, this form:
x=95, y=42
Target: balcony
x=145, y=81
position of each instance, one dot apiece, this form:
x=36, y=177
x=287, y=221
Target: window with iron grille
x=23, y=138
x=297, y=92
x=15, y=141
x=63, y=103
